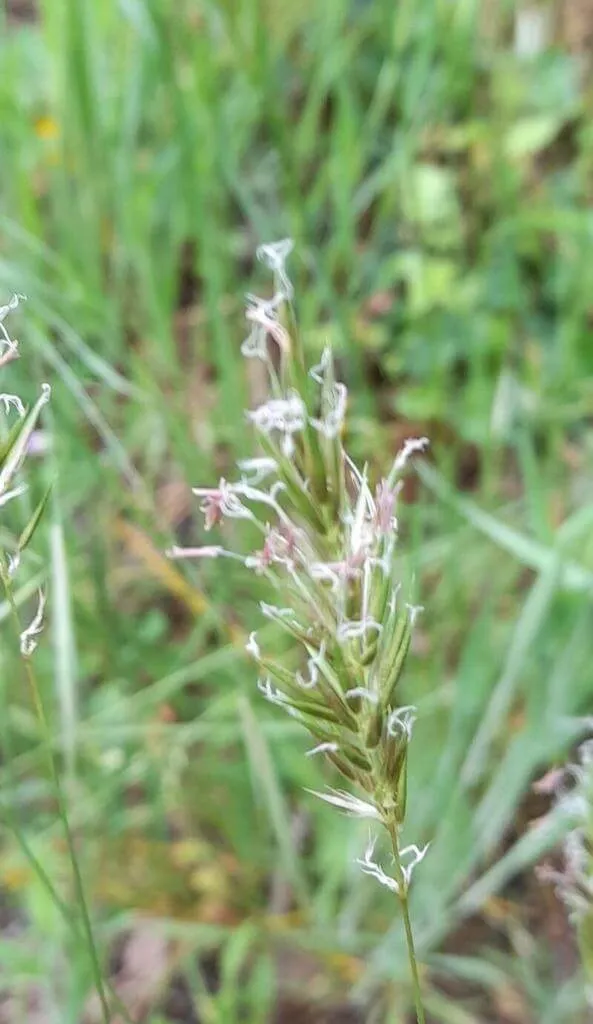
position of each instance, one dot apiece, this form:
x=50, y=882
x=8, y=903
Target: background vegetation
x=433, y=163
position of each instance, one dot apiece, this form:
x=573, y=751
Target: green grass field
x=437, y=182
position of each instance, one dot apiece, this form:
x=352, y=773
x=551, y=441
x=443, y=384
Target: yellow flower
x=46, y=128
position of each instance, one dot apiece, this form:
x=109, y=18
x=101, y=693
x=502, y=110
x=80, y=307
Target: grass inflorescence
x=328, y=548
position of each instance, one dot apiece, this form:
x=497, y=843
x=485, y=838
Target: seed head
x=328, y=548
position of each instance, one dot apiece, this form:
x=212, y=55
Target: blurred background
x=433, y=162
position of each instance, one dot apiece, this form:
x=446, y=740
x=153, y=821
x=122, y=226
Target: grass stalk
x=403, y=900
x=33, y=686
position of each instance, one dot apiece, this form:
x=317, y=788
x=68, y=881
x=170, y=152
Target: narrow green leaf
x=9, y=441
x=572, y=576
x=268, y=786
x=27, y=534
x=18, y=448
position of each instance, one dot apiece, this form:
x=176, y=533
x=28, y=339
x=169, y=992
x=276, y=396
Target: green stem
x=12, y=825
x=403, y=899
x=61, y=802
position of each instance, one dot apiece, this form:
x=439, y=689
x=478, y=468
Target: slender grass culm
x=328, y=542
x=15, y=445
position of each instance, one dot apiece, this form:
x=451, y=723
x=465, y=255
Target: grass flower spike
x=328, y=547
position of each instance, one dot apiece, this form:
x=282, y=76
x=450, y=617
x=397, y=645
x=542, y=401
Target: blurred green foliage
x=437, y=183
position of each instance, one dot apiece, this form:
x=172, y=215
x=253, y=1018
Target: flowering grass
x=14, y=449
x=329, y=551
